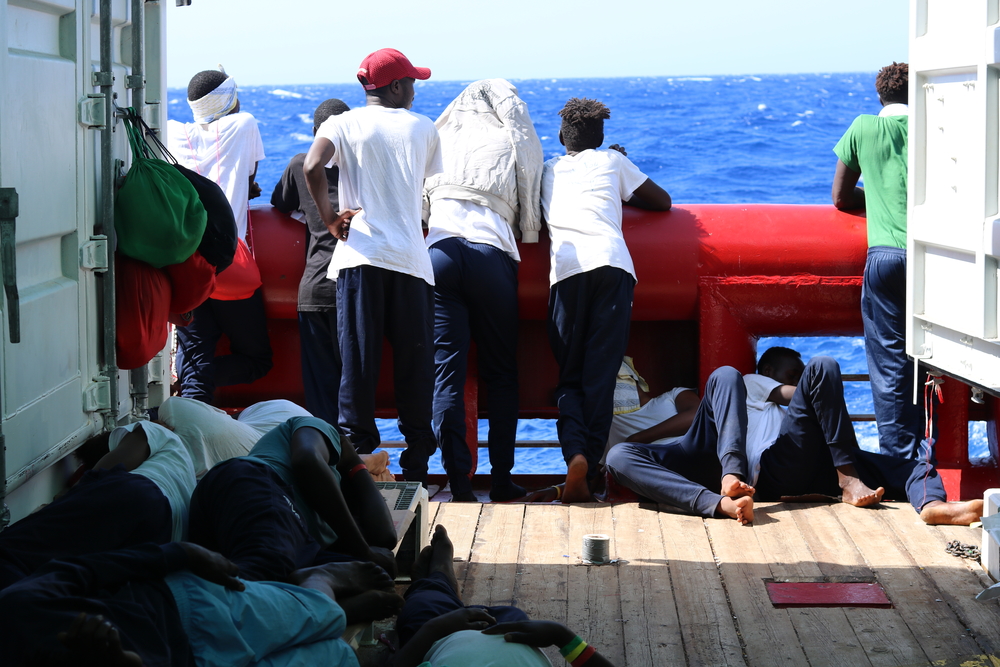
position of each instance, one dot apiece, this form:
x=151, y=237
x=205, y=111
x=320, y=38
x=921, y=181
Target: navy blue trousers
x=320, y=349
x=106, y=510
x=199, y=371
x=475, y=298
x=372, y=303
x=817, y=435
x=589, y=317
x=242, y=510
x=883, y=311
x=688, y=473
x=433, y=596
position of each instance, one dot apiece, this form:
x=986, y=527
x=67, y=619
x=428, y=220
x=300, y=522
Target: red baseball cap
x=385, y=66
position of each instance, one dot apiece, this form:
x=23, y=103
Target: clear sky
x=324, y=41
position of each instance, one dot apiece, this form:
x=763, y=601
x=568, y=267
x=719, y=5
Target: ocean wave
x=286, y=93
x=298, y=136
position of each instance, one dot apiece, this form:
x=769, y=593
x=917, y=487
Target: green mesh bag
x=159, y=217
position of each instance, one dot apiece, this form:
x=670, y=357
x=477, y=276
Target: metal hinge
x=103, y=79
x=135, y=81
x=97, y=395
x=94, y=254
x=92, y=112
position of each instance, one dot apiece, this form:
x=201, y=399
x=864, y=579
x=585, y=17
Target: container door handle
x=8, y=258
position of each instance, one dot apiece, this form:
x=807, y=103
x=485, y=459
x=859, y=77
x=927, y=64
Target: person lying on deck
x=182, y=605
x=801, y=441
x=437, y=630
x=301, y=497
x=212, y=436
x=705, y=471
x=811, y=448
x=138, y=492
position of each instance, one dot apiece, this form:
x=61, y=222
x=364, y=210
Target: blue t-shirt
x=274, y=450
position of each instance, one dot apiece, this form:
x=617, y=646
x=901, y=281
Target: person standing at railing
x=385, y=282
x=224, y=145
x=875, y=147
x=592, y=279
x=484, y=200
x=317, y=297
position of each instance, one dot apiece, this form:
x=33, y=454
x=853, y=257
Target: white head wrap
x=216, y=104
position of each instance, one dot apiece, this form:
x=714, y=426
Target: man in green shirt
x=875, y=146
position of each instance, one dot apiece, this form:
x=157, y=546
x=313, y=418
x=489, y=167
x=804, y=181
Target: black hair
x=330, y=107
x=774, y=356
x=892, y=83
x=205, y=82
x=583, y=123
x=93, y=449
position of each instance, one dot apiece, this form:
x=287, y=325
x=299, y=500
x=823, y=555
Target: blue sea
x=718, y=139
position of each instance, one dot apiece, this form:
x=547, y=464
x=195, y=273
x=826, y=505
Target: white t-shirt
x=212, y=436
x=582, y=199
x=763, y=419
x=168, y=466
x=226, y=151
x=472, y=222
x=384, y=156
x=656, y=410
x=471, y=648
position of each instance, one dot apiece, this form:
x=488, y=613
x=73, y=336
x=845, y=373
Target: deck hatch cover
x=786, y=594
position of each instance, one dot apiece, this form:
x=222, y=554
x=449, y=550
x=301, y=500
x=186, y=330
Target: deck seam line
x=725, y=589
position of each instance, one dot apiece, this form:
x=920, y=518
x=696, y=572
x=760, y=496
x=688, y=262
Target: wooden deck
x=688, y=591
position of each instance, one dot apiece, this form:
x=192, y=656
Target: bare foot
x=96, y=641
x=857, y=494
x=443, y=556
x=371, y=606
x=740, y=508
x=938, y=512
x=734, y=487
x=347, y=579
x=546, y=495
x=422, y=564
x=577, y=490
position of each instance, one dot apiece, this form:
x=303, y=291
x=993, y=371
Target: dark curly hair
x=205, y=82
x=330, y=107
x=583, y=123
x=892, y=83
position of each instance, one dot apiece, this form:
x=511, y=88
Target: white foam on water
x=285, y=93
x=796, y=123
x=305, y=118
x=298, y=136
x=694, y=78
x=761, y=107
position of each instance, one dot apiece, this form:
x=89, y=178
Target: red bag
x=191, y=282
x=241, y=279
x=142, y=304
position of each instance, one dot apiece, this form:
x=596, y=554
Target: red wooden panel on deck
x=826, y=594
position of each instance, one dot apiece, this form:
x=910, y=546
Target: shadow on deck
x=691, y=591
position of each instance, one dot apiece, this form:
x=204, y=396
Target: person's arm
x=846, y=195
x=319, y=487
x=314, y=168
x=651, y=197
x=687, y=403
x=131, y=451
x=84, y=575
x=782, y=394
x=413, y=653
x=285, y=197
x=254, y=188
x=365, y=500
x=546, y=633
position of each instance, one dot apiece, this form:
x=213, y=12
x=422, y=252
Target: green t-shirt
x=875, y=146
x=275, y=450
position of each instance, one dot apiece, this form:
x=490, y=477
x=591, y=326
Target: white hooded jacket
x=491, y=155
